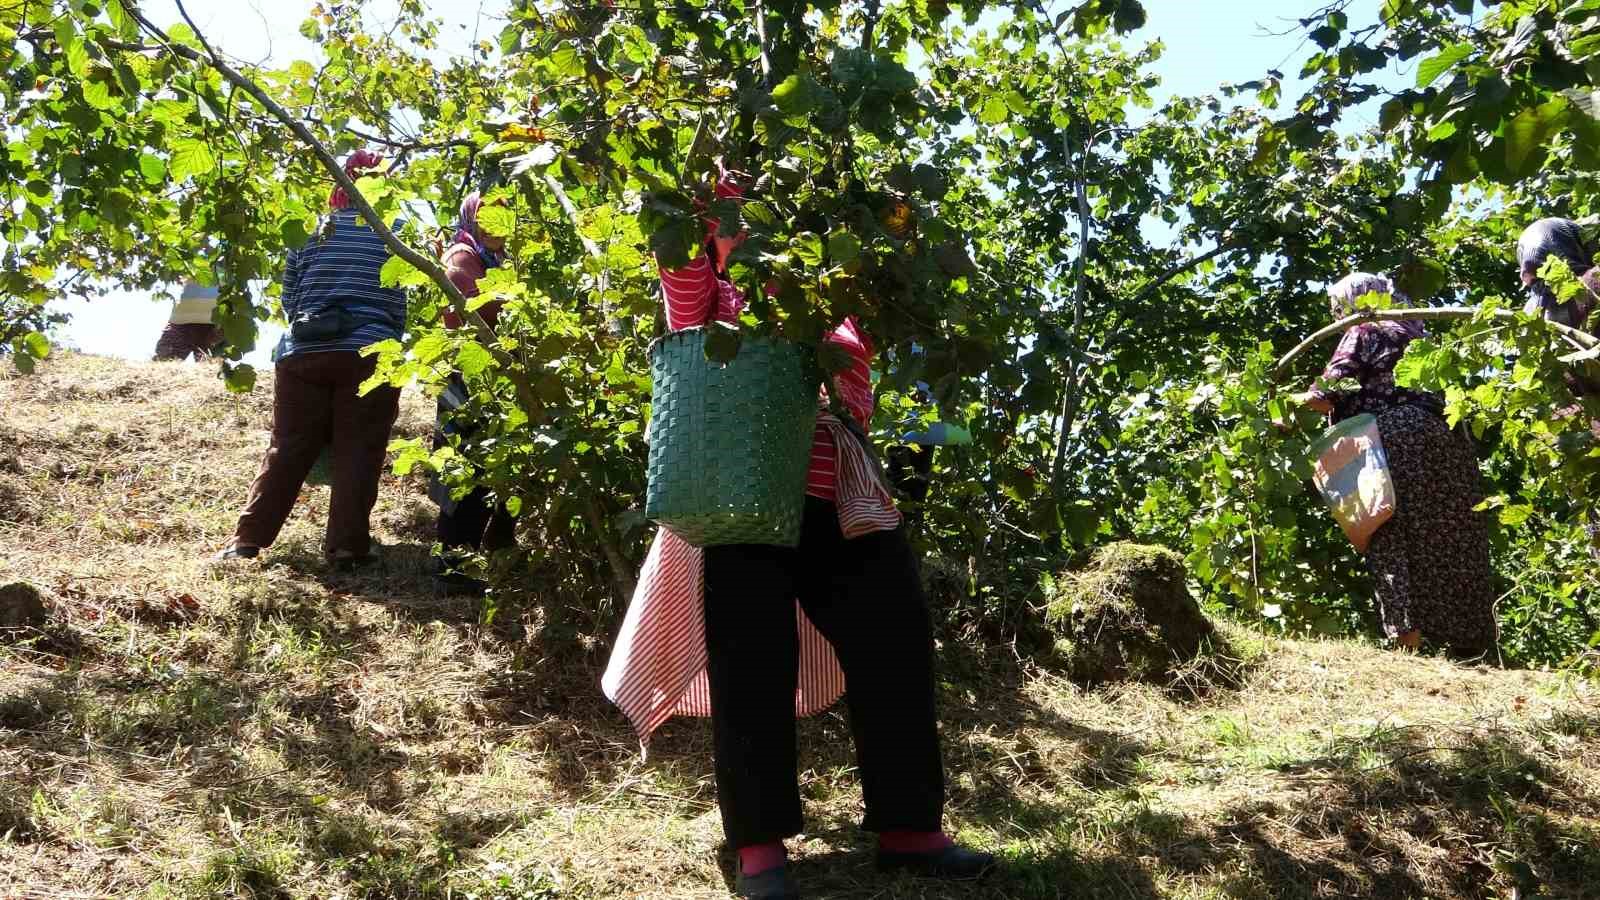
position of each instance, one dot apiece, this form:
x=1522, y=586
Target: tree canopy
x=975, y=181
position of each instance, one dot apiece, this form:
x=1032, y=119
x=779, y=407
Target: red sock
x=761, y=857
x=913, y=841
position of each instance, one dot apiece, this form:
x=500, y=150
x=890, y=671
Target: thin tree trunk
x=1070, y=394
x=621, y=571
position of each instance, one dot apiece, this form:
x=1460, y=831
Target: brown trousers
x=316, y=403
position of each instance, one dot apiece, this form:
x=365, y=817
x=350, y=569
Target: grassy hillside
x=279, y=730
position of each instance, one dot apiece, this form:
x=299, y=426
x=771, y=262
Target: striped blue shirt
x=340, y=270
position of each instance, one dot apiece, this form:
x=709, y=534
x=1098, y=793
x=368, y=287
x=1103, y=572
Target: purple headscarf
x=468, y=232
x=1342, y=299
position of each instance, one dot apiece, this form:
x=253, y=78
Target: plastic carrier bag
x=1352, y=472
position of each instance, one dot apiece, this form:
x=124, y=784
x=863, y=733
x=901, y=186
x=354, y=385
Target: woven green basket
x=730, y=445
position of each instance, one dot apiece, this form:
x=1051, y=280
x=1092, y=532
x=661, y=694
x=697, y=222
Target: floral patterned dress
x=1430, y=562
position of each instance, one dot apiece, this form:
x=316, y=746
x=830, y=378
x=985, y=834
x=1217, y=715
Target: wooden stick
x=1578, y=338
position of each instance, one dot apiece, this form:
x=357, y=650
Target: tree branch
x=871, y=24
x=1176, y=269
x=1572, y=335
x=1071, y=390
x=411, y=146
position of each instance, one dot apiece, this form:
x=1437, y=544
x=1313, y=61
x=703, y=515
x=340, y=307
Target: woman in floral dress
x=1430, y=562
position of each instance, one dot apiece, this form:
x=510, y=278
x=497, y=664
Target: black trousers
x=471, y=523
x=475, y=524
x=865, y=596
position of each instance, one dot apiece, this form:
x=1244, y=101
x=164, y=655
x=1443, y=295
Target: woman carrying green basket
x=754, y=634
x=1430, y=559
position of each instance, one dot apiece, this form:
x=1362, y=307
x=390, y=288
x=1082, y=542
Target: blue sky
x=1208, y=43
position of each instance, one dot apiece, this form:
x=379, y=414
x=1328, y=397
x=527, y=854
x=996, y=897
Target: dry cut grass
x=278, y=730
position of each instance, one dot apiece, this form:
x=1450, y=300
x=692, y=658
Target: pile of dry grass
x=1128, y=616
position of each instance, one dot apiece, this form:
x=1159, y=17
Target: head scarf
x=1563, y=238
x=356, y=165
x=468, y=232
x=1342, y=299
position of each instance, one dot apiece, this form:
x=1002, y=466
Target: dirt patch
x=1128, y=616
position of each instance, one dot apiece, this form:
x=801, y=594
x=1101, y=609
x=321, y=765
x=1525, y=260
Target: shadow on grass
x=399, y=578
x=1406, y=814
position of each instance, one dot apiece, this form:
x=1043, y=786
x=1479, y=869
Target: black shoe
x=953, y=863
x=773, y=884
x=236, y=551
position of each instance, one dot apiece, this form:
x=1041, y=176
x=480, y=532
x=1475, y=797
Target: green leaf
x=1422, y=279
x=843, y=247
x=191, y=157
x=567, y=61
x=1528, y=135
x=1391, y=113
x=931, y=182
x=722, y=342
x=394, y=271
x=295, y=233
x=1515, y=515
x=473, y=358
x=1429, y=70
x=127, y=28
x=153, y=168
x=1130, y=16
x=183, y=34
x=891, y=76
x=833, y=358
x=1414, y=368
x=1442, y=130
x=807, y=248
x=796, y=95
x=77, y=54
x=430, y=347
x=953, y=259
x=758, y=213
x=498, y=221
x=97, y=93
x=240, y=378
x=36, y=344
x=994, y=111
